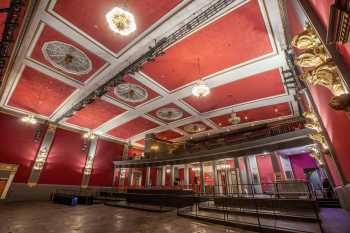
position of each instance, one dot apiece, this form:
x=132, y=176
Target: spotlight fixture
x=89, y=135
x=200, y=89
x=121, y=21
x=29, y=119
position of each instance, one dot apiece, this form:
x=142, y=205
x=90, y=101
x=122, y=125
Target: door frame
x=12, y=168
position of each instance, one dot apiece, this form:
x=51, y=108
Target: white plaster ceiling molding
x=131, y=92
x=67, y=57
x=195, y=128
x=169, y=114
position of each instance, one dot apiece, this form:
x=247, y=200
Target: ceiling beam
x=236, y=73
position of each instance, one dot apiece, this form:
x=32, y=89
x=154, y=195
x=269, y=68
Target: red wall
x=153, y=176
x=102, y=170
x=66, y=159
x=17, y=145
x=336, y=123
x=301, y=162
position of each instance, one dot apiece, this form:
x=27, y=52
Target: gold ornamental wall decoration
x=316, y=154
x=325, y=75
x=312, y=121
x=306, y=39
x=320, y=69
x=320, y=138
x=311, y=58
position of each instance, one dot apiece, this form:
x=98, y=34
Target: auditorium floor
x=45, y=217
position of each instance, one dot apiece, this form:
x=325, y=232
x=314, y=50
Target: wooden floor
x=45, y=217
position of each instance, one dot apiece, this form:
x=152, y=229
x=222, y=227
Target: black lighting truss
x=151, y=54
x=9, y=35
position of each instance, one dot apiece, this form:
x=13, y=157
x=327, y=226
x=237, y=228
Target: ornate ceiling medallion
x=131, y=92
x=67, y=57
x=195, y=128
x=121, y=21
x=169, y=114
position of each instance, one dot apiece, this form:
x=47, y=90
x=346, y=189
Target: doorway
x=7, y=174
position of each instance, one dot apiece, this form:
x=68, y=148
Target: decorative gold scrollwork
x=311, y=116
x=325, y=75
x=311, y=58
x=313, y=122
x=318, y=137
x=306, y=39
x=316, y=154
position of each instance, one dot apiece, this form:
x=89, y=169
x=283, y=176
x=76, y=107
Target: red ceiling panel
x=133, y=127
x=255, y=87
x=168, y=135
x=95, y=114
x=128, y=79
x=222, y=44
x=256, y=114
x=200, y=122
x=38, y=93
x=142, y=142
x=171, y=105
x=90, y=17
x=49, y=34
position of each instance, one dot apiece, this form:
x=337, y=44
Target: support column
x=201, y=171
x=163, y=175
x=114, y=176
x=172, y=175
x=215, y=177
x=42, y=156
x=130, y=176
x=276, y=167
x=148, y=176
x=89, y=162
x=125, y=152
x=186, y=175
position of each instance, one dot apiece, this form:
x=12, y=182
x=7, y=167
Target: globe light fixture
x=89, y=135
x=121, y=21
x=29, y=119
x=200, y=89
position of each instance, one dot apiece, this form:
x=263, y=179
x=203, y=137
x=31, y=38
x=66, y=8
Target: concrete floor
x=45, y=217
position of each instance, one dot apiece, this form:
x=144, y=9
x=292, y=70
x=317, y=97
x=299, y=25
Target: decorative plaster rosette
x=131, y=92
x=169, y=114
x=195, y=128
x=67, y=57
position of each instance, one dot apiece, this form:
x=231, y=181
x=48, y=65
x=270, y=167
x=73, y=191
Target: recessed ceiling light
x=121, y=21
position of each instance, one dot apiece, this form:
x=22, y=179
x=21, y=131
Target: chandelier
x=29, y=119
x=234, y=119
x=121, y=21
x=89, y=135
x=200, y=89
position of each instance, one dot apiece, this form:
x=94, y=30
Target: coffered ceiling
x=69, y=51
